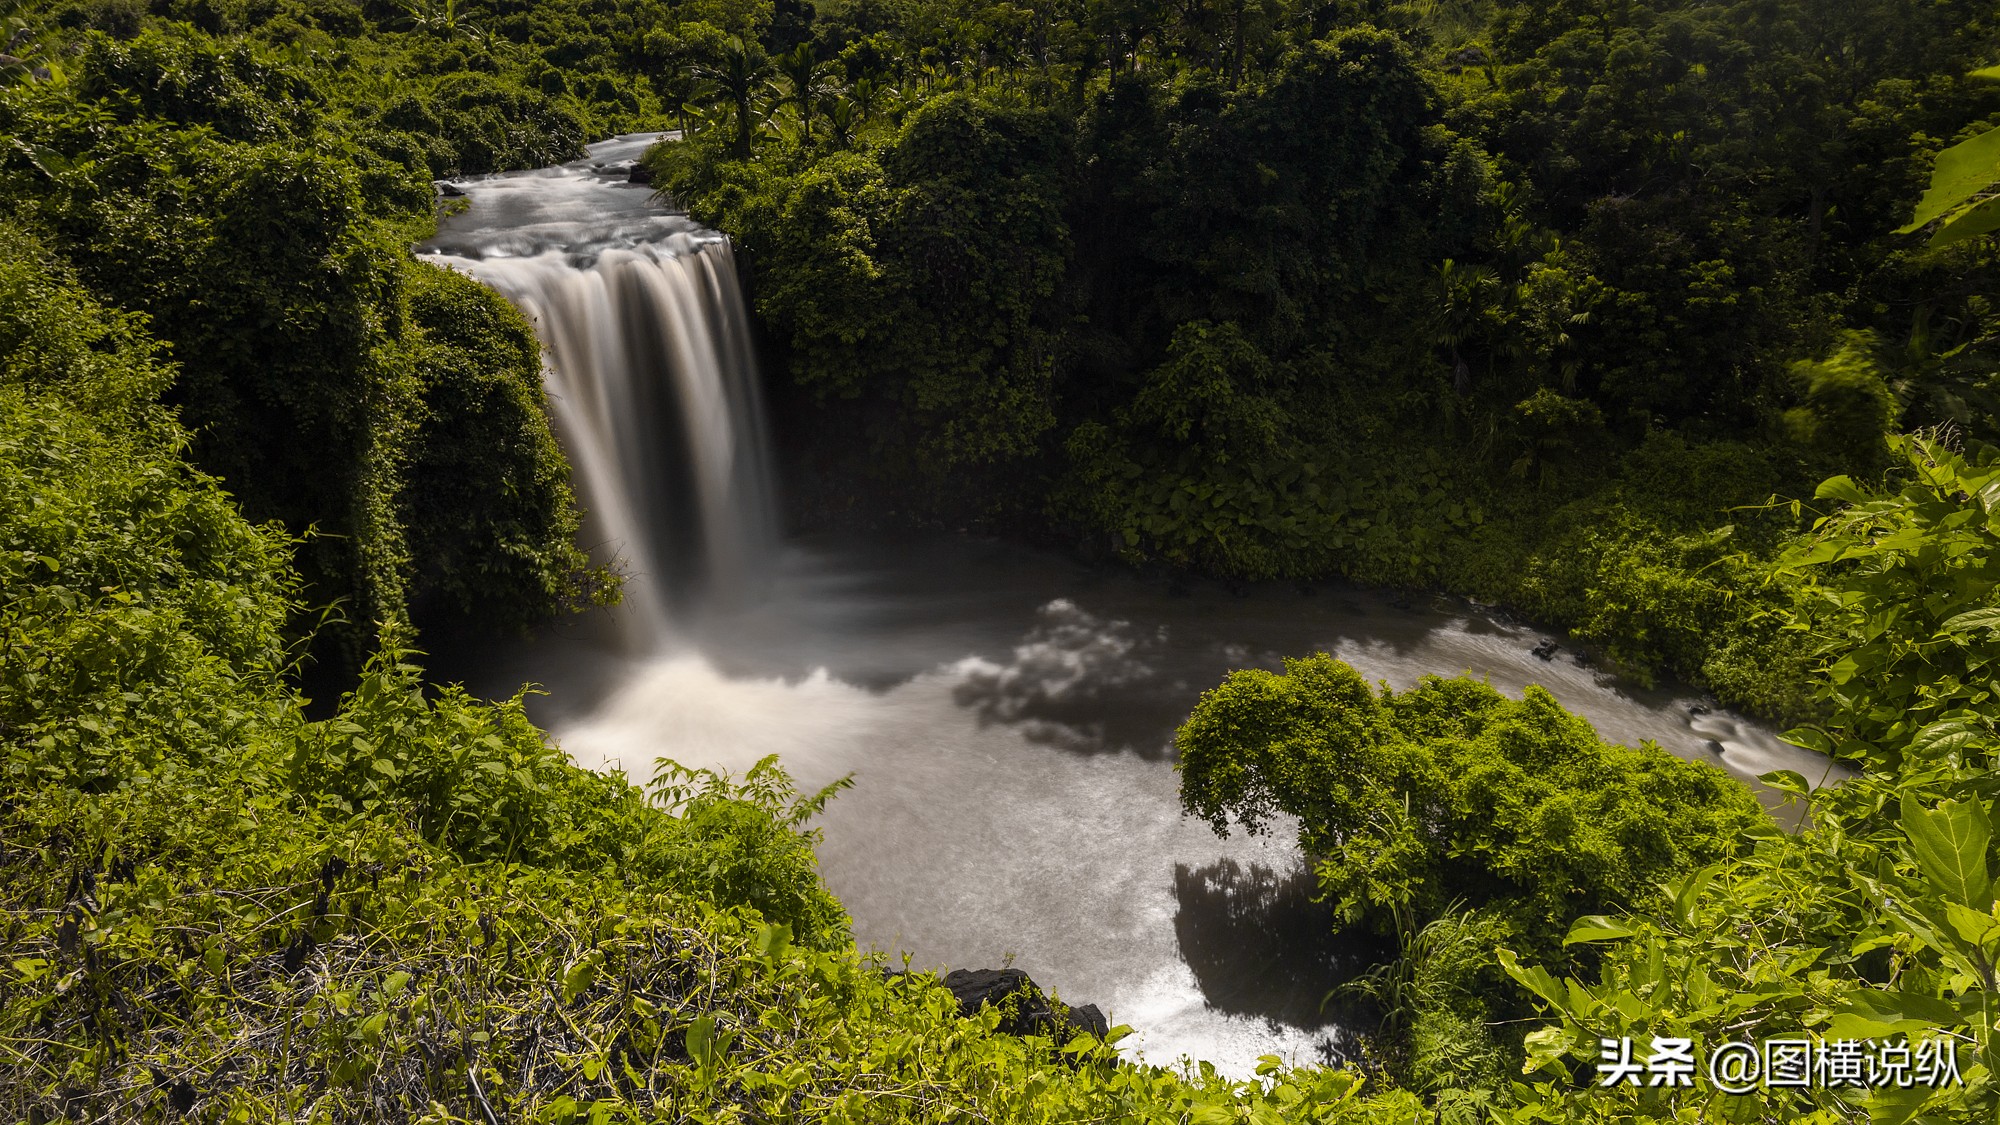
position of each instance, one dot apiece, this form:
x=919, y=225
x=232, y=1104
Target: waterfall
x=650, y=375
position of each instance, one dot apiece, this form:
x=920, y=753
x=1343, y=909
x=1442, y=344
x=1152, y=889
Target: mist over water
x=1008, y=715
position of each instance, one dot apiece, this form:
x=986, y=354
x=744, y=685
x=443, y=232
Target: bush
x=1450, y=793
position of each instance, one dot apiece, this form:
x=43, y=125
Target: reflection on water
x=1009, y=718
x=1072, y=683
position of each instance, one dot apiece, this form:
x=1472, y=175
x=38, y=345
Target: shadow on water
x=1079, y=683
x=1261, y=947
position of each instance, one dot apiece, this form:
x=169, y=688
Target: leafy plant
x=1411, y=803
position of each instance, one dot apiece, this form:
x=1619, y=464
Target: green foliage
x=477, y=779
x=1555, y=430
x=748, y=842
x=370, y=977
x=56, y=340
x=1876, y=919
x=1436, y=998
x=1847, y=407
x=1719, y=169
x=1956, y=201
x=1449, y=793
x=332, y=384
x=486, y=496
x=484, y=124
x=916, y=278
x=1665, y=568
x=1433, y=247
x=1270, y=289
x=1897, y=593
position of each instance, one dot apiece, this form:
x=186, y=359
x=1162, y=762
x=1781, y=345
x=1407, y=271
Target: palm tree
x=733, y=78
x=866, y=94
x=804, y=82
x=438, y=17
x=843, y=116
x=1464, y=306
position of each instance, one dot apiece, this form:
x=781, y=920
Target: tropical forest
x=1182, y=562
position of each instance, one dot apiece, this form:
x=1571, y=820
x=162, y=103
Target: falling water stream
x=1007, y=714
x=649, y=372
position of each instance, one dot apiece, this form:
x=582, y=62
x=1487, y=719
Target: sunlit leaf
x=1949, y=844
x=1962, y=171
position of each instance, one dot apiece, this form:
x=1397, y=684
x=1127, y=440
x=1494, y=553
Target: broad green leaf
x=1986, y=72
x=1597, y=927
x=1949, y=844
x=1787, y=781
x=771, y=942
x=1975, y=926
x=1685, y=892
x=1942, y=737
x=1534, y=978
x=1875, y=1013
x=1891, y=1105
x=1841, y=488
x=701, y=1041
x=1972, y=619
x=1545, y=1047
x=1962, y=171
x=576, y=979
x=1971, y=222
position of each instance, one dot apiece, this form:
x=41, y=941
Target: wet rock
x=640, y=174
x=1024, y=1009
x=450, y=190
x=1546, y=650
x=1090, y=1020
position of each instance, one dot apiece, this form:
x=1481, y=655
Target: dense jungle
x=1670, y=324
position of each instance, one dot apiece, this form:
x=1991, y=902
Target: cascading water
x=1008, y=715
x=649, y=370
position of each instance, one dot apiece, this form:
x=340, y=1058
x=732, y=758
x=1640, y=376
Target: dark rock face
x=1025, y=1010
x=640, y=174
x=1546, y=650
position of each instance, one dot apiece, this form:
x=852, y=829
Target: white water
x=1008, y=714
x=648, y=367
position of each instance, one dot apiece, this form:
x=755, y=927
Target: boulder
x=1025, y=1010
